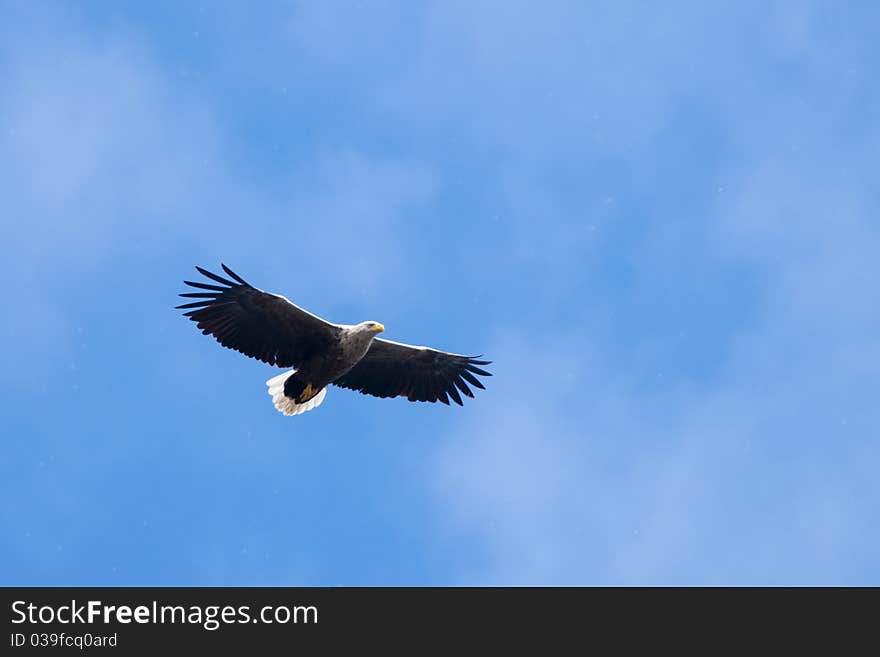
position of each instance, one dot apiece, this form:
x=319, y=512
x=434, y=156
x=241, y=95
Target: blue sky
x=660, y=223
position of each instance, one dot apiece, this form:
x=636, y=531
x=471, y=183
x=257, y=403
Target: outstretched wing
x=258, y=324
x=392, y=369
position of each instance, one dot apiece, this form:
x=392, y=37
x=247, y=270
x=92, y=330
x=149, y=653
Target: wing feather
x=258, y=324
x=392, y=369
x=470, y=378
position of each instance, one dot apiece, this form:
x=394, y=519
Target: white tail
x=285, y=404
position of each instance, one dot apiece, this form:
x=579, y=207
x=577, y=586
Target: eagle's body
x=319, y=370
x=274, y=330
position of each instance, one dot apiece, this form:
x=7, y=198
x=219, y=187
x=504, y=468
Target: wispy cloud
x=752, y=469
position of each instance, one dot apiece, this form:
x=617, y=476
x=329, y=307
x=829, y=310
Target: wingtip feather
x=214, y=277
x=234, y=275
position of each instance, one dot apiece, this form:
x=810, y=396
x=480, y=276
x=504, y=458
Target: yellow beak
x=379, y=328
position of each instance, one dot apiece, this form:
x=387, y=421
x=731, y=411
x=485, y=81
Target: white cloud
x=638, y=471
x=94, y=139
x=580, y=479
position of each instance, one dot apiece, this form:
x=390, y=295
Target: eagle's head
x=371, y=327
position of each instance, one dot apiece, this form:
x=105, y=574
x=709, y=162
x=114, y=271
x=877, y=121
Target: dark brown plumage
x=390, y=369
x=270, y=328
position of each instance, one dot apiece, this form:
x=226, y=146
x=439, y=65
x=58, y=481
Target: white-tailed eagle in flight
x=270, y=328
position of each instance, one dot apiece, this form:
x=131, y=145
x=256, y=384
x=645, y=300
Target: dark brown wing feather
x=391, y=369
x=258, y=324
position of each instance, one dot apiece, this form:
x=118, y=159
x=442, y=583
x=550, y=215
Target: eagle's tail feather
x=284, y=403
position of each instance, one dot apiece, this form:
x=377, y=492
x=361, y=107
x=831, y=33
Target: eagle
x=272, y=329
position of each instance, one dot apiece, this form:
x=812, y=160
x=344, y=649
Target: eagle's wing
x=258, y=324
x=392, y=369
